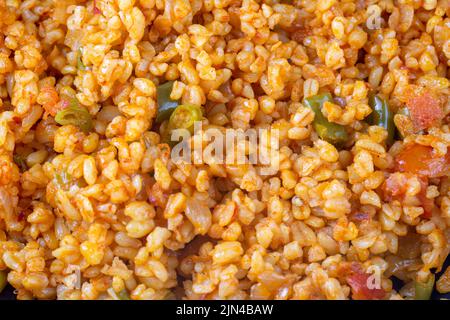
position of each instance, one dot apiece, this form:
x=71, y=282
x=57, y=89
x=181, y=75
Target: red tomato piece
x=395, y=186
x=425, y=111
x=418, y=159
x=360, y=283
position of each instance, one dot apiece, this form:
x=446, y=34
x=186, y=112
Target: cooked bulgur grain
x=93, y=207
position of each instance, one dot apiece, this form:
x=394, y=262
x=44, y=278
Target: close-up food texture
x=93, y=205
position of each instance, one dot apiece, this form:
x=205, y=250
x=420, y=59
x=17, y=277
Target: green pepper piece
x=332, y=132
x=183, y=117
x=123, y=295
x=80, y=64
x=423, y=290
x=165, y=105
x=382, y=116
x=21, y=163
x=62, y=179
x=3, y=280
x=76, y=115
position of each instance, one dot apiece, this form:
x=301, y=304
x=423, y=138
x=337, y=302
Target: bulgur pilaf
x=93, y=207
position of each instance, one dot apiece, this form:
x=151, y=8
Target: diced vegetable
x=359, y=283
x=395, y=187
x=331, y=132
x=382, y=116
x=426, y=110
x=80, y=64
x=123, y=295
x=75, y=114
x=62, y=178
x=3, y=281
x=184, y=117
x=419, y=159
x=165, y=105
x=423, y=290
x=21, y=163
